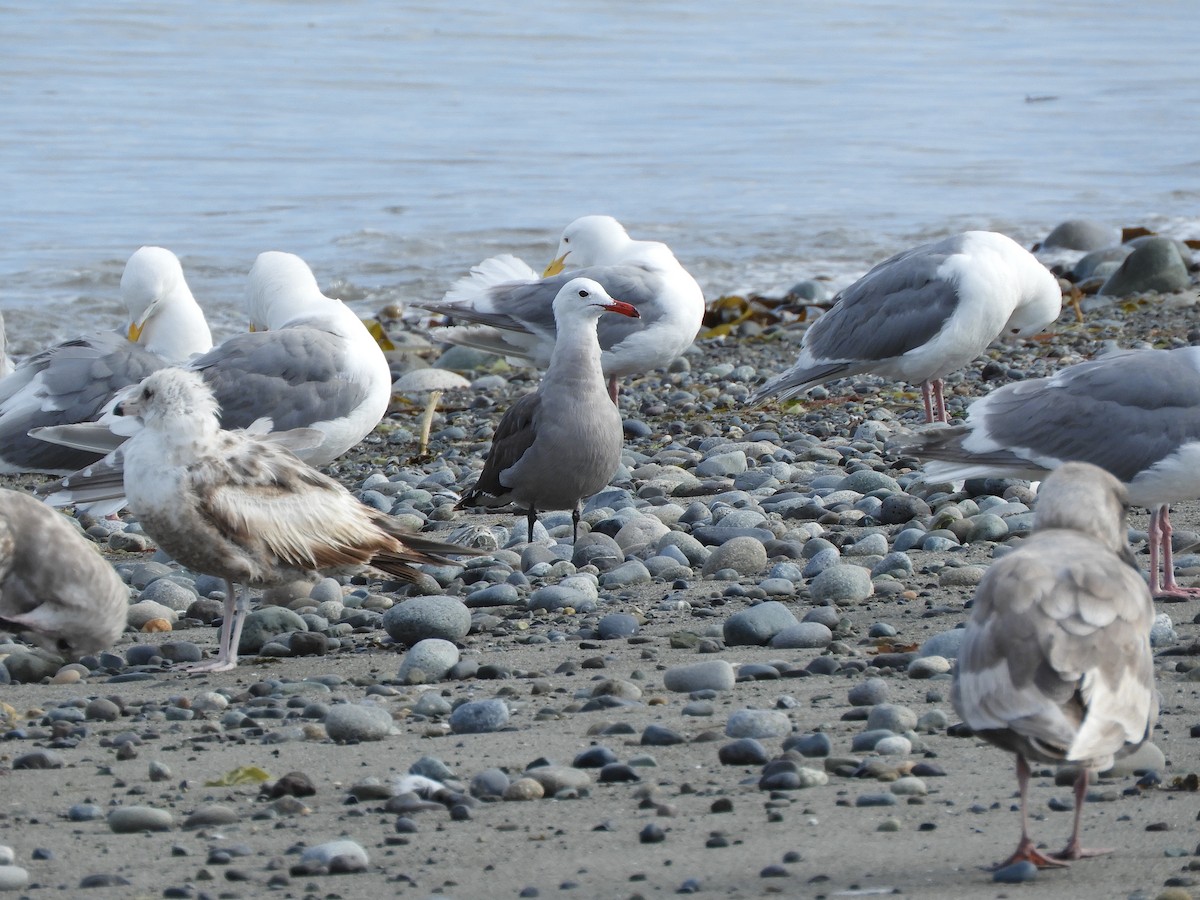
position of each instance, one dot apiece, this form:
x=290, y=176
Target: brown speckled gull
x=1055, y=665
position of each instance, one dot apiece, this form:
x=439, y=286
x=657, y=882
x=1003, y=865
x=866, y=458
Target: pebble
x=842, y=583
x=891, y=717
x=348, y=722
x=13, y=878
x=136, y=819
x=743, y=752
x=758, y=723
x=869, y=692
x=616, y=625
x=419, y=618
x=743, y=555
x=802, y=636
x=757, y=625
x=711, y=675
x=479, y=716
x=428, y=660
x=1016, y=873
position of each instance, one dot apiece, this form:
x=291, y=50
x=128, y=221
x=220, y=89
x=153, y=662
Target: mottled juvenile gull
x=1134, y=413
x=54, y=585
x=923, y=314
x=311, y=365
x=73, y=381
x=563, y=442
x=513, y=307
x=229, y=504
x=1055, y=665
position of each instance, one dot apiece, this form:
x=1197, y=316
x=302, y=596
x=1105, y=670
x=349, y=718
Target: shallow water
x=393, y=145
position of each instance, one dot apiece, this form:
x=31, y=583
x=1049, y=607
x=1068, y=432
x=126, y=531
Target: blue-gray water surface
x=392, y=145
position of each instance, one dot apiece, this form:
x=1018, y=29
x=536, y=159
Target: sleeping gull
x=1055, y=665
x=562, y=442
x=513, y=307
x=54, y=585
x=315, y=366
x=229, y=504
x=1135, y=413
x=73, y=381
x=923, y=314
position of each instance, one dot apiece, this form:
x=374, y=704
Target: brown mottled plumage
x=1056, y=664
x=242, y=508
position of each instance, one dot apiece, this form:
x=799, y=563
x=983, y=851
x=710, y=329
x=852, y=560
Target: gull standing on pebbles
x=923, y=314
x=54, y=585
x=1134, y=413
x=513, y=308
x=562, y=442
x=232, y=505
x=310, y=364
x=73, y=381
x=1055, y=665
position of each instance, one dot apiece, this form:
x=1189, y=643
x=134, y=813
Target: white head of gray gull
x=73, y=381
x=54, y=585
x=1055, y=665
x=314, y=368
x=512, y=307
x=1135, y=414
x=563, y=442
x=232, y=505
x=923, y=314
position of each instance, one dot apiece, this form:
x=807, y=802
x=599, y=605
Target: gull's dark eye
x=64, y=645
x=566, y=240
x=147, y=393
x=583, y=293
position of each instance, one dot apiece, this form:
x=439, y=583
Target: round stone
x=136, y=819
x=758, y=723
x=758, y=624
x=869, y=693
x=803, y=636
x=891, y=717
x=341, y=856
x=479, y=716
x=431, y=658
x=359, y=722
x=711, y=675
x=842, y=583
x=745, y=555
x=616, y=625
x=418, y=618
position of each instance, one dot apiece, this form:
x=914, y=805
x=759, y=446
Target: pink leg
x=613, y=388
x=1073, y=850
x=1160, y=549
x=935, y=400
x=1026, y=849
x=231, y=633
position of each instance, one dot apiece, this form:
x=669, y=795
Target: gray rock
x=842, y=583
x=31, y=666
x=891, y=717
x=895, y=564
x=758, y=723
x=929, y=667
x=493, y=595
x=616, y=625
x=264, y=623
x=13, y=878
x=1081, y=234
x=757, y=625
x=359, y=722
x=479, y=716
x=1156, y=265
x=871, y=692
x=433, y=658
x=694, y=551
x=136, y=819
x=629, y=573
x=896, y=509
x=744, y=555
x=144, y=610
x=802, y=636
x=820, y=561
x=944, y=644
x=419, y=618
x=711, y=675
x=722, y=465
x=557, y=778
x=169, y=593
x=895, y=745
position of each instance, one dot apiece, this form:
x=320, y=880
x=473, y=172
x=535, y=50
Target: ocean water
x=393, y=145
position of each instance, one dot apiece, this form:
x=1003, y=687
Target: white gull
x=924, y=313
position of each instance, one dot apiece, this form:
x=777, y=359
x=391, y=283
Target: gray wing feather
x=514, y=435
x=293, y=375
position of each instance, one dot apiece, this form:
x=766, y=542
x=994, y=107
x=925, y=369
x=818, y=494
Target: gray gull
x=6, y=363
x=1055, y=665
x=1134, y=413
x=512, y=307
x=72, y=381
x=235, y=506
x=923, y=314
x=309, y=364
x=54, y=584
x=562, y=442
